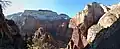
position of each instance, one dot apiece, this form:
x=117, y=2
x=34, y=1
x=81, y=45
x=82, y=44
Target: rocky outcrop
x=95, y=11
x=110, y=17
x=88, y=23
x=42, y=40
x=93, y=31
x=107, y=36
x=105, y=21
x=82, y=22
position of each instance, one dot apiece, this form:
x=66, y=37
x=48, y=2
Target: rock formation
x=43, y=40
x=96, y=27
x=88, y=24
x=81, y=23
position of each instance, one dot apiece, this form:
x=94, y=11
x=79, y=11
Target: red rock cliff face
x=87, y=24
x=81, y=22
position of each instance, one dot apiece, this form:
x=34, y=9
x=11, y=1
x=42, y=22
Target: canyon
x=95, y=27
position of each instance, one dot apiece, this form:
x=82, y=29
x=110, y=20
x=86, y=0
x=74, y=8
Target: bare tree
x=5, y=3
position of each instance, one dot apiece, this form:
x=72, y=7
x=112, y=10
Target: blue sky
x=69, y=7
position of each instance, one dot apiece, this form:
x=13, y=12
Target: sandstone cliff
x=96, y=27
x=89, y=23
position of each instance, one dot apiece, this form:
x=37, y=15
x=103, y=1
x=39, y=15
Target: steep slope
x=82, y=22
x=88, y=23
x=107, y=38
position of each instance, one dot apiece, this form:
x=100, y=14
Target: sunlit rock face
x=92, y=13
x=98, y=33
x=108, y=19
x=83, y=21
x=89, y=22
x=92, y=32
x=111, y=16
